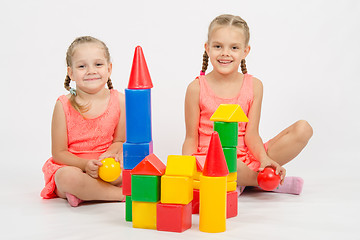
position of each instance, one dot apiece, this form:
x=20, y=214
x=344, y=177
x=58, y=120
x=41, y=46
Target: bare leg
x=290, y=142
x=72, y=180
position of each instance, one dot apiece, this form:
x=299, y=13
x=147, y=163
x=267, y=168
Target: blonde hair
x=227, y=20
x=69, y=54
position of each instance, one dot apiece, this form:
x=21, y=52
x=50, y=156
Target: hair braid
x=205, y=62
x=243, y=66
x=67, y=83
x=109, y=83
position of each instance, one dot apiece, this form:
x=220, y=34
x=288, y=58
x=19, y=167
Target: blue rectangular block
x=138, y=115
x=135, y=152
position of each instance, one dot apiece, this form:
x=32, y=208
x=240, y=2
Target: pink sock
x=240, y=189
x=291, y=185
x=73, y=201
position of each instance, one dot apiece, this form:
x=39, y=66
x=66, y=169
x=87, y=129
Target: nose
x=225, y=52
x=91, y=69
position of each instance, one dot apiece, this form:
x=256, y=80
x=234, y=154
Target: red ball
x=267, y=179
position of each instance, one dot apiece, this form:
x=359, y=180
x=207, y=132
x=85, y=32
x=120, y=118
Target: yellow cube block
x=144, y=214
x=176, y=189
x=179, y=165
x=232, y=177
x=197, y=175
x=231, y=186
x=196, y=184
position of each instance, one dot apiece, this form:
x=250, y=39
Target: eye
x=81, y=66
x=99, y=64
x=235, y=48
x=217, y=46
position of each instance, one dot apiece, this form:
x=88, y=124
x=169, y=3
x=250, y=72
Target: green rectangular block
x=145, y=188
x=228, y=133
x=231, y=158
x=128, y=208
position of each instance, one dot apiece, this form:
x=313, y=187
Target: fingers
x=92, y=168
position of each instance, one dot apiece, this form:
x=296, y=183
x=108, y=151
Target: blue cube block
x=138, y=115
x=134, y=153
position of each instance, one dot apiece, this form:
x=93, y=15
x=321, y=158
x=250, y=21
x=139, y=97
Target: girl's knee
x=68, y=177
x=303, y=130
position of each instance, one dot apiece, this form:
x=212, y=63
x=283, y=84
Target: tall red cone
x=215, y=163
x=139, y=76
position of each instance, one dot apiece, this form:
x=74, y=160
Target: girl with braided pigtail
x=227, y=48
x=88, y=125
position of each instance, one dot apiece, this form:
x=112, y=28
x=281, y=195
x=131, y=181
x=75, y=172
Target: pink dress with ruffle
x=87, y=138
x=209, y=102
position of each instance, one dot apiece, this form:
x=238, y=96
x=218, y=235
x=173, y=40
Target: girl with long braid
x=88, y=125
x=226, y=48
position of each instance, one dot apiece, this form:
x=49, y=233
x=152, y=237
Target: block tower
x=213, y=189
x=138, y=143
x=174, y=213
x=145, y=192
x=226, y=120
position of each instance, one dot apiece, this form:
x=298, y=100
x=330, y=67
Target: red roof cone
x=139, y=76
x=215, y=163
x=150, y=165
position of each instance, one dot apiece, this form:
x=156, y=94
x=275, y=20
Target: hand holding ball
x=110, y=170
x=267, y=179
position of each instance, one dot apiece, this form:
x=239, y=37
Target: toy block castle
x=226, y=120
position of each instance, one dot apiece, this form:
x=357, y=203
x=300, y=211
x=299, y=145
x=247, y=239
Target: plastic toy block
x=176, y=189
x=231, y=186
x=200, y=161
x=150, y=165
x=197, y=175
x=173, y=217
x=231, y=158
x=128, y=208
x=196, y=184
x=139, y=76
x=232, y=177
x=195, y=201
x=138, y=115
x=144, y=214
x=215, y=163
x=126, y=182
x=145, y=188
x=228, y=133
x=231, y=204
x=134, y=153
x=229, y=113
x=212, y=204
x=179, y=165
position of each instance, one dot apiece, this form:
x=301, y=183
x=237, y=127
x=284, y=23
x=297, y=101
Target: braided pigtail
x=109, y=84
x=205, y=63
x=243, y=66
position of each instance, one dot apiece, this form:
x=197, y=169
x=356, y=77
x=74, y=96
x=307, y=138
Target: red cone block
x=215, y=163
x=139, y=76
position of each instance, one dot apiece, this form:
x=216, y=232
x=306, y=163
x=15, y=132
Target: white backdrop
x=305, y=52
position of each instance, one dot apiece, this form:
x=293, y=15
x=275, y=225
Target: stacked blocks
x=175, y=210
x=145, y=191
x=200, y=162
x=213, y=189
x=226, y=120
x=138, y=143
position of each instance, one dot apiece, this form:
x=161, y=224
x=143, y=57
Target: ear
x=110, y=69
x=247, y=50
x=206, y=46
x=70, y=73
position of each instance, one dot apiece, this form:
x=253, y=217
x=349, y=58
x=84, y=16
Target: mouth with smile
x=225, y=62
x=92, y=79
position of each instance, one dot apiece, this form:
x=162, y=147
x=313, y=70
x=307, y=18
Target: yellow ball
x=110, y=170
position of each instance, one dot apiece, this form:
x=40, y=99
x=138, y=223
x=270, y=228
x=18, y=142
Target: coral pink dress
x=87, y=138
x=209, y=102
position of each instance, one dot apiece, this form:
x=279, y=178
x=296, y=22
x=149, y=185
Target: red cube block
x=196, y=201
x=231, y=204
x=126, y=182
x=173, y=217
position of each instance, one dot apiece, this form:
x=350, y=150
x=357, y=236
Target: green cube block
x=128, y=208
x=231, y=158
x=228, y=133
x=145, y=188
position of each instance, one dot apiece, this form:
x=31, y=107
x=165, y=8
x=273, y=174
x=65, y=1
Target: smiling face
x=226, y=48
x=89, y=68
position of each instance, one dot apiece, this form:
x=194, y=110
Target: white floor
x=327, y=209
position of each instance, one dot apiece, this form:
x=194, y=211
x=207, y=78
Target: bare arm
x=252, y=137
x=60, y=152
x=192, y=116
